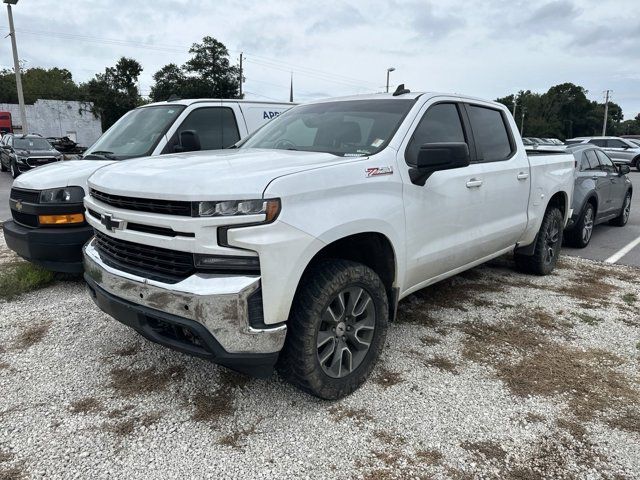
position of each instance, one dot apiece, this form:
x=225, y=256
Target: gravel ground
x=492, y=374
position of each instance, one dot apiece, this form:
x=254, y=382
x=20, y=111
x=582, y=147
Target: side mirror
x=433, y=157
x=6, y=147
x=624, y=169
x=189, y=142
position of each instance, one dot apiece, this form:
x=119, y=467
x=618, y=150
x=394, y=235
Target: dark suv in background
x=19, y=153
x=602, y=193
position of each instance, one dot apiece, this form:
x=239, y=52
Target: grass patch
x=31, y=335
x=135, y=382
x=430, y=341
x=630, y=298
x=359, y=415
x=588, y=319
x=387, y=378
x=429, y=456
x=629, y=421
x=86, y=405
x=239, y=436
x=127, y=426
x=488, y=449
x=128, y=351
x=22, y=277
x=441, y=363
x=210, y=407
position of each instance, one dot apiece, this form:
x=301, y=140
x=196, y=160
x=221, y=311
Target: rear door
x=506, y=178
x=444, y=217
x=601, y=181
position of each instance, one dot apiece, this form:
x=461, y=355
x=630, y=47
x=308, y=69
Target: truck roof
x=404, y=96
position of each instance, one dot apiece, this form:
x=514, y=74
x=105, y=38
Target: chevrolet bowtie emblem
x=110, y=224
x=19, y=206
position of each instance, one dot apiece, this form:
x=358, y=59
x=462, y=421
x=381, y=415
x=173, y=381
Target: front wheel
x=547, y=246
x=336, y=330
x=14, y=169
x=622, y=219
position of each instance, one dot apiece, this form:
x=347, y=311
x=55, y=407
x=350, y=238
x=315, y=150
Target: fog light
x=227, y=263
x=61, y=219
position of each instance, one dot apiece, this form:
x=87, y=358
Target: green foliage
x=564, y=111
x=21, y=277
x=52, y=83
x=207, y=74
x=115, y=91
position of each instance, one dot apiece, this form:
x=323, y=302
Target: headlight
x=22, y=159
x=230, y=208
x=62, y=195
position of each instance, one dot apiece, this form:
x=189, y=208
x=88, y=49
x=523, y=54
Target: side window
x=607, y=164
x=598, y=141
x=490, y=134
x=591, y=160
x=615, y=143
x=216, y=128
x=441, y=123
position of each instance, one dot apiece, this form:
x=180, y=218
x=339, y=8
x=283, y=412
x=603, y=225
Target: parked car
x=619, y=149
x=602, y=193
x=21, y=153
x=297, y=245
x=48, y=226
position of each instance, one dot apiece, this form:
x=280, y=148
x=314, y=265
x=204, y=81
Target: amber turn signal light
x=61, y=219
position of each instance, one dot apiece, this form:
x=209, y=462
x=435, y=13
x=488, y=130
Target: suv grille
x=160, y=264
x=168, y=207
x=29, y=196
x=24, y=218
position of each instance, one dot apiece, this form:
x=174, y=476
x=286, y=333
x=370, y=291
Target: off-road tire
x=299, y=361
x=539, y=263
x=622, y=219
x=576, y=236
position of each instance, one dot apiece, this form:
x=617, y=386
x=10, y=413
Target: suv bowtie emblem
x=19, y=206
x=110, y=224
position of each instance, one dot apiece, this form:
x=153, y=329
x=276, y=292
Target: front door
x=616, y=184
x=444, y=216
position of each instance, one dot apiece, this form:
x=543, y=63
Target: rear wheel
x=580, y=235
x=547, y=246
x=336, y=330
x=622, y=219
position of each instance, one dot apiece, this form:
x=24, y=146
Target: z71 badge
x=375, y=171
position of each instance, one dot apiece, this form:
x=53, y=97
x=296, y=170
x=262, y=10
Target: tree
x=52, y=84
x=208, y=73
x=115, y=91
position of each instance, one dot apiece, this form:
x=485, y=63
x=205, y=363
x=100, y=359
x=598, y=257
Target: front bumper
x=56, y=249
x=204, y=315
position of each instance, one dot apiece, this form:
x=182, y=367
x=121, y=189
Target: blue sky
x=485, y=48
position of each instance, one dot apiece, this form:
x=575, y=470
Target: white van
x=48, y=225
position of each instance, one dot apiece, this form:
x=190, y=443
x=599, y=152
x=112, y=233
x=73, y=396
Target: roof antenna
x=401, y=90
x=173, y=98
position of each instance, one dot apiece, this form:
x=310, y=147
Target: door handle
x=474, y=183
x=523, y=176
x=594, y=177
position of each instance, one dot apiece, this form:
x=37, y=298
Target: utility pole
x=241, y=75
x=389, y=70
x=291, y=90
x=524, y=109
x=606, y=112
x=16, y=66
x=515, y=104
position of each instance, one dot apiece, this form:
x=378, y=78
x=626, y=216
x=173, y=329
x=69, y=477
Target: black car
x=602, y=194
x=19, y=153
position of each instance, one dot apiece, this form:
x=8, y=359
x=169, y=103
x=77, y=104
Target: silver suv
x=621, y=150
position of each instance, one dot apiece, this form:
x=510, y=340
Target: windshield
x=636, y=143
x=346, y=128
x=572, y=142
x=136, y=134
x=31, y=144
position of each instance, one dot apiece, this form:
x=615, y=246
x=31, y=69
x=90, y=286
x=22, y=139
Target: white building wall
x=58, y=118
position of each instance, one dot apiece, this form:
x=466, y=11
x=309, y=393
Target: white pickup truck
x=296, y=246
x=48, y=226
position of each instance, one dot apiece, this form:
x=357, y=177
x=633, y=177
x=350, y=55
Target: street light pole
x=389, y=70
x=16, y=66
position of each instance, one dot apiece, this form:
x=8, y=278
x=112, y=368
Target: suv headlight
x=62, y=195
x=229, y=208
x=21, y=159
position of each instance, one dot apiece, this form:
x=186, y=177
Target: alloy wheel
x=346, y=331
x=626, y=209
x=552, y=239
x=587, y=225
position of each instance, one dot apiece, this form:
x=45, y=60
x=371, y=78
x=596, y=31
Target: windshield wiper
x=103, y=154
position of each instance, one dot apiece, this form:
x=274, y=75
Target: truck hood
x=224, y=174
x=60, y=174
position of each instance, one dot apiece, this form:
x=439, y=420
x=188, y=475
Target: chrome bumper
x=218, y=302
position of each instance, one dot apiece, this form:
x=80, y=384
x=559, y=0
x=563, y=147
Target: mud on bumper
x=205, y=316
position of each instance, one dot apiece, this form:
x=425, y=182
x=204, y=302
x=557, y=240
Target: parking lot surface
x=492, y=374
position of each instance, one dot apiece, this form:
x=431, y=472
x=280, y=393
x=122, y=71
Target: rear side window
x=490, y=134
x=590, y=161
x=598, y=141
x=615, y=143
x=441, y=123
x=216, y=127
